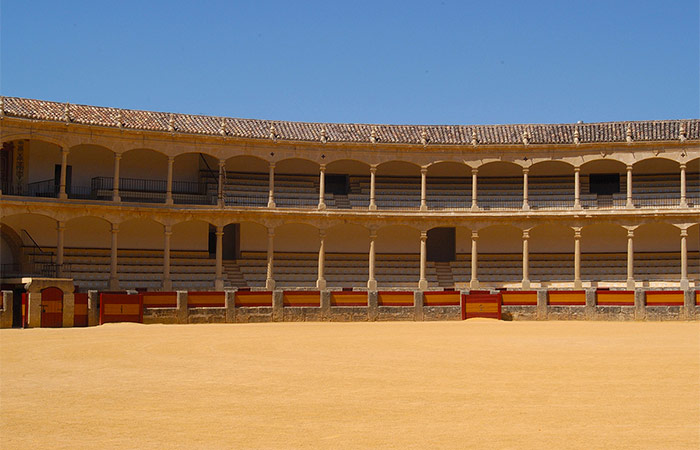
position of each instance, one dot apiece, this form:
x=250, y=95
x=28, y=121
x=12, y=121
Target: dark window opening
x=604, y=183
x=337, y=184
x=441, y=245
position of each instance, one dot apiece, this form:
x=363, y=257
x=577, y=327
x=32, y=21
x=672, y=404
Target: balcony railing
x=45, y=270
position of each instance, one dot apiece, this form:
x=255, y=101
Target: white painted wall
x=603, y=238
x=254, y=237
x=90, y=161
x=139, y=234
x=551, y=239
x=500, y=239
x=657, y=237
x=186, y=167
x=295, y=237
x=41, y=228
x=192, y=235
x=88, y=232
x=463, y=240
x=398, y=239
x=145, y=164
x=347, y=238
x=40, y=160
x=6, y=256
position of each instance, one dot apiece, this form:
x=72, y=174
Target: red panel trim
x=481, y=298
x=121, y=299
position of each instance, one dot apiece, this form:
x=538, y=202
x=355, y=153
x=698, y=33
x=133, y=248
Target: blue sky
x=419, y=62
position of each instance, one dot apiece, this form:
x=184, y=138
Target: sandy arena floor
x=478, y=384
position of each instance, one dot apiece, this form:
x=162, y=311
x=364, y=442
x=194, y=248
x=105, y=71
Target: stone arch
x=11, y=252
x=500, y=169
x=398, y=168
x=657, y=236
x=348, y=166
x=656, y=165
x=87, y=162
x=248, y=164
x=41, y=228
x=297, y=166
x=551, y=168
x=143, y=163
x=603, y=166
x=34, y=136
x=499, y=239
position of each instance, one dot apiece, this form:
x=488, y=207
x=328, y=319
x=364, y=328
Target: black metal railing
x=496, y=204
x=34, y=269
x=245, y=200
x=45, y=188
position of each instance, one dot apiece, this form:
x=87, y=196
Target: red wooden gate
x=51, y=308
x=481, y=305
x=80, y=317
x=25, y=310
x=121, y=308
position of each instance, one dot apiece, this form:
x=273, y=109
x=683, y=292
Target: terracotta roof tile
x=661, y=130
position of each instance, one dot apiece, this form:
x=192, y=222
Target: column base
x=526, y=284
x=271, y=205
x=116, y=199
x=631, y=284
x=62, y=195
x=167, y=285
x=113, y=284
x=321, y=284
x=219, y=284
x=372, y=207
x=475, y=207
x=683, y=204
x=473, y=284
x=169, y=201
x=372, y=285
x=423, y=285
x=685, y=284
x=270, y=284
x=577, y=206
x=629, y=205
x=321, y=206
x=526, y=207
x=578, y=284
x=423, y=207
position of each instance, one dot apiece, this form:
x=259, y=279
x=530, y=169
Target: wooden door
x=481, y=305
x=51, y=308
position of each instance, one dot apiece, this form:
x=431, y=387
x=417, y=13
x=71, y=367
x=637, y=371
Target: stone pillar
x=322, y=187
x=542, y=304
x=590, y=303
x=475, y=203
x=270, y=280
x=182, y=311
x=220, y=189
x=68, y=309
x=423, y=188
x=685, y=284
x=577, y=187
x=526, y=205
x=683, y=202
x=325, y=304
x=230, y=303
x=277, y=306
x=639, y=305
x=321, y=281
x=169, y=183
x=34, y=309
x=115, y=180
x=629, y=204
x=271, y=187
x=577, y=258
x=219, y=281
x=93, y=308
x=64, y=167
x=60, y=228
x=7, y=309
x=372, y=305
x=474, y=282
x=630, y=259
x=113, y=275
x=167, y=282
x=372, y=281
x=418, y=300
x=423, y=281
x=372, y=188
x=526, y=260
x=688, y=303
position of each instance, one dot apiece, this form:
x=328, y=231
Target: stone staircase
x=233, y=275
x=445, y=278
x=341, y=201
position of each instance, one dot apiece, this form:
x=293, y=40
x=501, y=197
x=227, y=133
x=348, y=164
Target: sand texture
x=474, y=384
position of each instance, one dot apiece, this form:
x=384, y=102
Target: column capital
x=270, y=232
x=272, y=165
x=630, y=233
x=322, y=167
x=526, y=234
x=115, y=228
x=629, y=167
x=117, y=156
x=322, y=233
x=423, y=235
x=168, y=229
x=526, y=170
x=577, y=169
x=475, y=170
x=219, y=229
x=373, y=235
x=60, y=225
x=577, y=233
x=423, y=170
x=65, y=150
x=684, y=232
x=475, y=235
x=222, y=163
x=171, y=159
x=373, y=168
x=682, y=166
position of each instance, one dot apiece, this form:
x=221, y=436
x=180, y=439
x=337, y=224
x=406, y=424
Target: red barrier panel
x=567, y=298
x=519, y=298
x=664, y=298
x=25, y=310
x=351, y=298
x=441, y=298
x=159, y=299
x=121, y=308
x=481, y=305
x=80, y=312
x=250, y=299
x=615, y=298
x=302, y=298
x=206, y=299
x=395, y=298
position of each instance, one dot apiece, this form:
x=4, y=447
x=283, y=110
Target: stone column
x=683, y=202
x=270, y=280
x=68, y=310
x=7, y=305
x=115, y=180
x=526, y=205
x=93, y=310
x=577, y=187
x=220, y=191
x=474, y=282
x=34, y=309
x=322, y=187
x=167, y=282
x=113, y=275
x=630, y=259
x=60, y=228
x=64, y=167
x=684, y=260
x=271, y=187
x=629, y=204
x=418, y=302
x=526, y=260
x=542, y=307
x=423, y=188
x=230, y=304
x=169, y=183
x=219, y=281
x=475, y=203
x=182, y=308
x=321, y=282
x=372, y=282
x=577, y=258
x=372, y=188
x=423, y=281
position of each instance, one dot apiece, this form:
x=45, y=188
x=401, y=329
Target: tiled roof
x=657, y=130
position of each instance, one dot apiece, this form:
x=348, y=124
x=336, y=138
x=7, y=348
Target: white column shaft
x=372, y=188
x=115, y=180
x=64, y=168
x=423, y=188
x=577, y=187
x=475, y=203
x=169, y=186
x=271, y=187
x=322, y=187
x=630, y=204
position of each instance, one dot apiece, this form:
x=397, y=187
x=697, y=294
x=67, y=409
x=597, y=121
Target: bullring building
x=118, y=199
